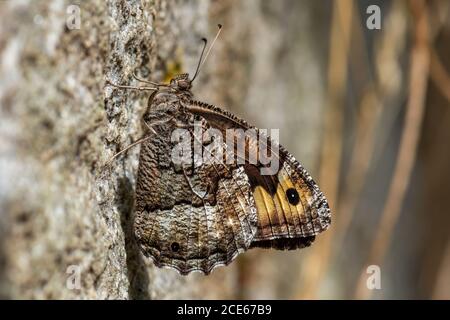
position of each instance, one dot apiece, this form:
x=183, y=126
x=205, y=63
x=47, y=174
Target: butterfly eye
x=175, y=246
x=292, y=196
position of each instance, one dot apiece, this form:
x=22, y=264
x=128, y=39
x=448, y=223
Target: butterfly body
x=200, y=213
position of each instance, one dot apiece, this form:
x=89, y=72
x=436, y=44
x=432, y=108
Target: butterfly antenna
x=201, y=57
x=202, y=61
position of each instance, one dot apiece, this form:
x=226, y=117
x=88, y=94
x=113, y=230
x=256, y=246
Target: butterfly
x=200, y=213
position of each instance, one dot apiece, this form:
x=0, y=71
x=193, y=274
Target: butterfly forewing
x=289, y=204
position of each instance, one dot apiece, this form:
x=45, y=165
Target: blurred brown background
x=366, y=111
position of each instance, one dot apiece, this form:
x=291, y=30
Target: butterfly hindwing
x=191, y=218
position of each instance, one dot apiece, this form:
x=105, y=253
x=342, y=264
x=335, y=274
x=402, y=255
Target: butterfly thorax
x=169, y=101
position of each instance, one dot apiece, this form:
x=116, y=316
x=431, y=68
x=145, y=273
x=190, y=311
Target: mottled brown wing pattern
x=176, y=227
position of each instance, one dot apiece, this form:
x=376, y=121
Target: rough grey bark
x=60, y=123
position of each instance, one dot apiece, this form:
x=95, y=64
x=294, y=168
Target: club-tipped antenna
x=202, y=61
x=201, y=57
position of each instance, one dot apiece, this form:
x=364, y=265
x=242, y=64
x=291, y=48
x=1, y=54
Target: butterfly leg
x=149, y=82
x=140, y=140
x=130, y=87
x=155, y=123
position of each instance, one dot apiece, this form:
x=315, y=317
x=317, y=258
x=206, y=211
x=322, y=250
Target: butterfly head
x=181, y=82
